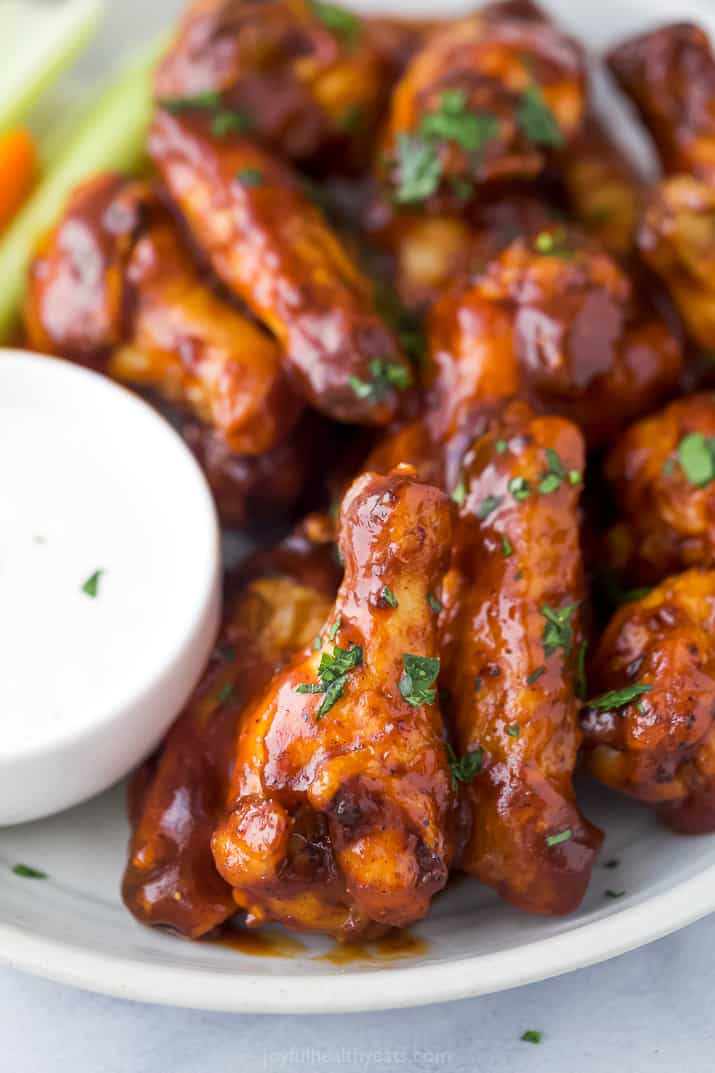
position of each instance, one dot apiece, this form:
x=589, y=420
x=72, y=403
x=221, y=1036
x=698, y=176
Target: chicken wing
x=662, y=472
x=650, y=732
x=488, y=98
x=114, y=287
x=557, y=321
x=339, y=810
x=271, y=246
x=669, y=74
x=170, y=879
x=512, y=649
x=304, y=77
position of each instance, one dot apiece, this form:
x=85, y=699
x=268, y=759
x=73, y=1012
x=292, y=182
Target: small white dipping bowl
x=109, y=582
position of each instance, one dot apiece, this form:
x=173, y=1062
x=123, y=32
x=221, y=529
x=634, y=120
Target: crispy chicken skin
x=554, y=320
x=502, y=63
x=271, y=246
x=604, y=189
x=170, y=878
x=339, y=810
x=660, y=746
x=302, y=85
x=512, y=673
x=669, y=74
x=113, y=286
x=676, y=239
x=668, y=521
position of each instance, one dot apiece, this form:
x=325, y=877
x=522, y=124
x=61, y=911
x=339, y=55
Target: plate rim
x=396, y=987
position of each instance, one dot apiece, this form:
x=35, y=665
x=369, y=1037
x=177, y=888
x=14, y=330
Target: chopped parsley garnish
x=488, y=506
x=460, y=493
x=333, y=673
x=562, y=836
x=537, y=120
x=418, y=677
x=553, y=243
x=466, y=769
x=227, y=121
x=581, y=680
x=531, y=1036
x=558, y=631
x=352, y=120
x=435, y=604
x=339, y=21
x=500, y=446
x=453, y=121
x=420, y=169
x=317, y=644
x=514, y=731
x=535, y=675
x=614, y=893
x=225, y=693
x=384, y=375
x=389, y=596
x=478, y=682
x=520, y=488
x=210, y=101
x=669, y=466
x=335, y=628
x=618, y=698
x=91, y=585
x=575, y=476
x=506, y=548
x=554, y=476
x=250, y=177
x=406, y=323
x=25, y=872
x=696, y=454
x=420, y=165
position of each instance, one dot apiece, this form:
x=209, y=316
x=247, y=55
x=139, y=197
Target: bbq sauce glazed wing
x=669, y=74
x=114, y=287
x=662, y=472
x=488, y=98
x=339, y=810
x=170, y=879
x=303, y=83
x=676, y=239
x=271, y=246
x=512, y=643
x=558, y=322
x=650, y=733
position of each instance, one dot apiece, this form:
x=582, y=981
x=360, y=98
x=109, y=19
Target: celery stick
x=111, y=137
x=46, y=40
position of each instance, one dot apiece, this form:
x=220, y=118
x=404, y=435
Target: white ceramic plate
x=72, y=927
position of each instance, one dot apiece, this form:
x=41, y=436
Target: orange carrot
x=18, y=167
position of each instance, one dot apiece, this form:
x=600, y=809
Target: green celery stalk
x=111, y=137
x=46, y=40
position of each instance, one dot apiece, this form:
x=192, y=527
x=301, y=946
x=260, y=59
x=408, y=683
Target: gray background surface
x=648, y=1011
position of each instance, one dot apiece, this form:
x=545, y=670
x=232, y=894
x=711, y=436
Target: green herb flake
x=478, y=683
x=558, y=631
x=520, y=488
x=581, y=679
x=506, y=548
x=91, y=585
x=696, y=454
x=342, y=23
x=531, y=1036
x=419, y=675
x=500, y=446
x=460, y=493
x=210, y=101
x=228, y=122
x=384, y=375
x=389, y=596
x=333, y=673
x=514, y=731
x=618, y=698
x=467, y=768
x=553, y=243
x=435, y=604
x=614, y=893
x=352, y=120
x=454, y=121
x=669, y=466
x=562, y=836
x=225, y=694
x=535, y=675
x=250, y=177
x=317, y=644
x=420, y=169
x=536, y=119
x=26, y=872
x=487, y=507
x=575, y=476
